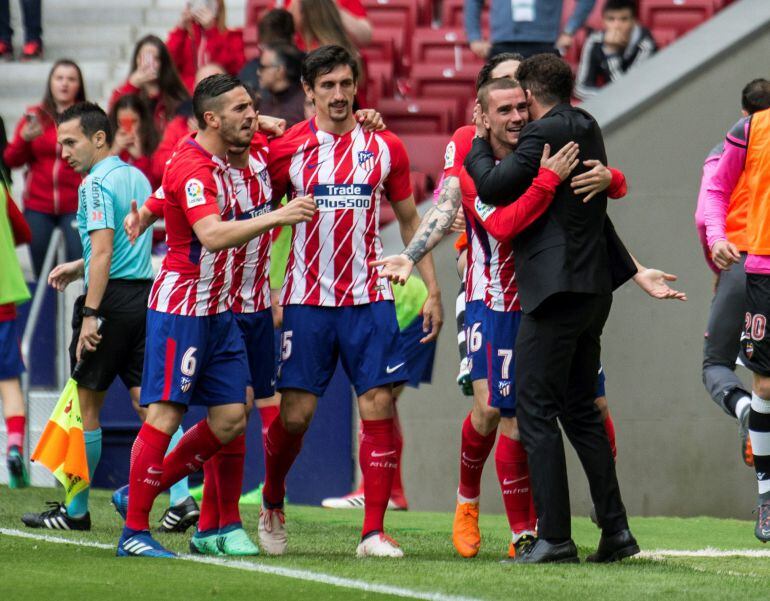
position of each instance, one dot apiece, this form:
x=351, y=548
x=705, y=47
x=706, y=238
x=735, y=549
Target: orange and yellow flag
x=62, y=448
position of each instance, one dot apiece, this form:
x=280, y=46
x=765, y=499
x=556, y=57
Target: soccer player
x=335, y=304
x=721, y=343
x=745, y=156
x=196, y=353
x=14, y=231
x=118, y=277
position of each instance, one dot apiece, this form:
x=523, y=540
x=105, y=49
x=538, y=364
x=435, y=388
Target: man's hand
x=296, y=211
x=204, y=16
x=654, y=283
x=481, y=48
x=271, y=126
x=31, y=129
x=478, y=121
x=564, y=42
x=724, y=254
x=458, y=225
x=432, y=317
x=89, y=336
x=133, y=224
x=66, y=273
x=397, y=268
x=563, y=162
x=370, y=120
x=592, y=182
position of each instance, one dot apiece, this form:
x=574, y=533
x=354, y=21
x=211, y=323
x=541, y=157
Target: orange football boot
x=465, y=529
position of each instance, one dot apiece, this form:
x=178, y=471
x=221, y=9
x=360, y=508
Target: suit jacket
x=573, y=246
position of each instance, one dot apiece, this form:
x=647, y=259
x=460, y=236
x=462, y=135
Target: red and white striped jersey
x=491, y=271
x=252, y=196
x=348, y=176
x=193, y=281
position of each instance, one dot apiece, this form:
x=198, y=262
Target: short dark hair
x=92, y=119
x=276, y=26
x=499, y=83
x=290, y=58
x=756, y=96
x=486, y=71
x=547, y=77
x=324, y=60
x=208, y=90
x=621, y=5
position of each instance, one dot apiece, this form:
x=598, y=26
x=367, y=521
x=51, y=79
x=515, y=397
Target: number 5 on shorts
x=286, y=344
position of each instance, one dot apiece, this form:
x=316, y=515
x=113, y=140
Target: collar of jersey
x=112, y=157
x=191, y=141
x=315, y=130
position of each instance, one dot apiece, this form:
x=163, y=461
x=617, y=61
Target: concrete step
x=74, y=17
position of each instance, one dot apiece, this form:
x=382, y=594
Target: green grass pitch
x=322, y=545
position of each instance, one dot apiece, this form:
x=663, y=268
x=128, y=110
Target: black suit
x=567, y=264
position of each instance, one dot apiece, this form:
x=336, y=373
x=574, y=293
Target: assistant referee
x=118, y=277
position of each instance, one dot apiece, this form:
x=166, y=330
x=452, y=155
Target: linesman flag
x=62, y=448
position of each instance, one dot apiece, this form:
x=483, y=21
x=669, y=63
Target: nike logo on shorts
x=390, y=370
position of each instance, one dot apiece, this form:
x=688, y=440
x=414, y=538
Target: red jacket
x=193, y=49
x=175, y=131
x=21, y=235
x=160, y=114
x=51, y=184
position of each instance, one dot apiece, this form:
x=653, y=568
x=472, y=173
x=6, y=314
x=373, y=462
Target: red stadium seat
x=426, y=153
x=379, y=81
x=663, y=36
x=400, y=13
x=444, y=81
x=444, y=46
x=423, y=116
x=679, y=15
x=255, y=8
x=389, y=44
x=452, y=14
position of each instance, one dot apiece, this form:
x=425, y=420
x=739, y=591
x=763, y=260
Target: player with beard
x=330, y=284
x=196, y=353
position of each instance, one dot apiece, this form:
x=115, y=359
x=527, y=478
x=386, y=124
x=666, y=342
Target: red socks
x=398, y=440
x=267, y=415
x=281, y=449
x=14, y=425
x=209, y=518
x=377, y=458
x=144, y=482
x=609, y=426
x=513, y=474
x=151, y=473
x=474, y=451
x=229, y=463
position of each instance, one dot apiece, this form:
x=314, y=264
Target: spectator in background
x=155, y=80
x=135, y=137
x=51, y=185
x=275, y=27
x=33, y=30
x=281, y=90
x=526, y=27
x=202, y=37
x=353, y=17
x=608, y=54
x=183, y=123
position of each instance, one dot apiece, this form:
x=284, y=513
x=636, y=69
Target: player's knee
x=510, y=427
x=376, y=404
x=296, y=422
x=762, y=387
x=485, y=418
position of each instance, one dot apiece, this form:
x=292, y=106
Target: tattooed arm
x=434, y=225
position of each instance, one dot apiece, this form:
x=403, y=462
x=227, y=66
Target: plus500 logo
x=330, y=197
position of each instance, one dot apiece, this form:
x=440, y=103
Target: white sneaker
x=272, y=531
x=379, y=545
x=354, y=500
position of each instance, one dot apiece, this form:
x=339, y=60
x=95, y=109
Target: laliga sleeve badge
x=193, y=190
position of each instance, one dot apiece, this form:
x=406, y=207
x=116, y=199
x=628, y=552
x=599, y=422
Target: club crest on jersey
x=193, y=190
x=186, y=384
x=330, y=197
x=484, y=210
x=504, y=387
x=366, y=159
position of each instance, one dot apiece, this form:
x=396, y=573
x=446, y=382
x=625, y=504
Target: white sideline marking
x=248, y=566
x=707, y=552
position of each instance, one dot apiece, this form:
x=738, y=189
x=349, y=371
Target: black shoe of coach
x=615, y=547
x=544, y=552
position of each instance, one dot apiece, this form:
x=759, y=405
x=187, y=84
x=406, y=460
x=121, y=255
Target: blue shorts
x=11, y=363
x=194, y=360
x=259, y=337
x=364, y=337
x=500, y=329
x=419, y=357
x=475, y=311
x=600, y=385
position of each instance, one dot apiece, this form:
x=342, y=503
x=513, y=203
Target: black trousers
x=526, y=49
x=557, y=361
